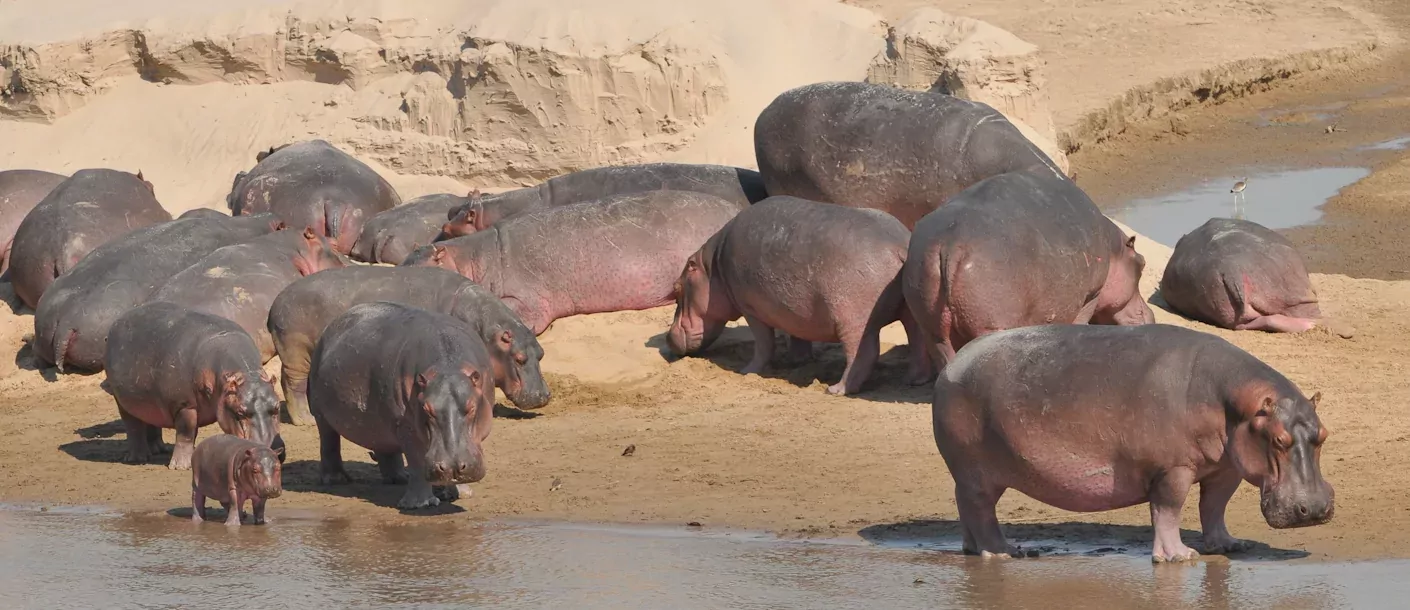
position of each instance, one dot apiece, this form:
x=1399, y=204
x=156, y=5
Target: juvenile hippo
x=72, y=321
x=817, y=271
x=300, y=313
x=201, y=213
x=1093, y=418
x=1019, y=249
x=232, y=470
x=313, y=184
x=874, y=146
x=87, y=210
x=741, y=186
x=20, y=191
x=622, y=253
x=1240, y=275
x=399, y=380
x=239, y=282
x=390, y=236
x=170, y=367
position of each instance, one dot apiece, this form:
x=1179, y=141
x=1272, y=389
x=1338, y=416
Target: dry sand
x=771, y=452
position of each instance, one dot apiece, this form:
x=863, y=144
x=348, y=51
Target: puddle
x=1277, y=200
x=1396, y=144
x=78, y=559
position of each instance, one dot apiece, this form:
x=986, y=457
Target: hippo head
x=456, y=406
x=315, y=254
x=1278, y=447
x=702, y=306
x=1120, y=301
x=258, y=473
x=437, y=255
x=464, y=219
x=515, y=353
x=249, y=410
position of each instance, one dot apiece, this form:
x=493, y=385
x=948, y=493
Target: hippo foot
x=137, y=457
x=180, y=461
x=837, y=389
x=752, y=369
x=334, y=478
x=1013, y=553
x=1224, y=545
x=414, y=501
x=1177, y=555
x=446, y=493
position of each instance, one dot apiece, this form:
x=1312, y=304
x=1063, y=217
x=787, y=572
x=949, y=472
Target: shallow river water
x=88, y=559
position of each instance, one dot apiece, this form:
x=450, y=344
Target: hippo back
x=20, y=191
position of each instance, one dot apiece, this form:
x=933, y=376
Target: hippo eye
x=1282, y=440
x=521, y=358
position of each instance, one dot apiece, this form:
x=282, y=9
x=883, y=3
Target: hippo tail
x=62, y=340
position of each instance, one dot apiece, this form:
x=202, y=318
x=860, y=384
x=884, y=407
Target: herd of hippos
x=871, y=205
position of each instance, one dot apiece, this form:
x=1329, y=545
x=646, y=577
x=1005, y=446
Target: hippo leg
x=232, y=511
x=185, y=439
x=1277, y=323
x=763, y=346
x=154, y=441
x=862, y=352
x=799, y=350
x=982, y=535
x=1167, y=500
x=393, y=471
x=198, y=505
x=296, y=396
x=257, y=507
x=330, y=454
x=139, y=449
x=419, y=493
x=1214, y=495
x=921, y=369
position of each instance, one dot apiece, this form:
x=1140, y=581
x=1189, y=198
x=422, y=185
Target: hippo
x=313, y=184
x=239, y=282
x=20, y=191
x=874, y=146
x=390, y=236
x=232, y=470
x=72, y=321
x=741, y=186
x=400, y=380
x=300, y=313
x=1091, y=418
x=625, y=253
x=1019, y=249
x=171, y=367
x=89, y=209
x=1240, y=275
x=201, y=213
x=817, y=271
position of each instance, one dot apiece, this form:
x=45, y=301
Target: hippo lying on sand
x=1092, y=418
x=875, y=146
x=403, y=381
x=300, y=313
x=20, y=191
x=741, y=186
x=89, y=209
x=619, y=254
x=1019, y=249
x=817, y=271
x=1241, y=275
x=392, y=235
x=313, y=184
x=170, y=367
x=232, y=470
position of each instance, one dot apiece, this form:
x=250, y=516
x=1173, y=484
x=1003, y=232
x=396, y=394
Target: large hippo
x=875, y=146
x=1092, y=418
x=239, y=282
x=1240, y=275
x=400, y=380
x=817, y=271
x=171, y=367
x=300, y=313
x=392, y=235
x=20, y=191
x=231, y=470
x=72, y=321
x=1019, y=249
x=621, y=253
x=742, y=186
x=313, y=184
x=87, y=210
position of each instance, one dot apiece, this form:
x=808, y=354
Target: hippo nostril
x=1302, y=510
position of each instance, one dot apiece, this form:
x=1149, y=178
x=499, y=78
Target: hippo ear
x=1131, y=242
x=438, y=252
x=691, y=265
x=309, y=234
x=276, y=225
x=233, y=381
x=506, y=338
x=474, y=377
x=475, y=194
x=1316, y=398
x=139, y=175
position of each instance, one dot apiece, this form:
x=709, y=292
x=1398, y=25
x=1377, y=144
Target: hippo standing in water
x=1093, y=418
x=873, y=146
x=313, y=184
x=741, y=186
x=231, y=470
x=300, y=313
x=170, y=367
x=392, y=235
x=400, y=380
x=72, y=321
x=239, y=282
x=1019, y=249
x=817, y=271
x=1241, y=275
x=619, y=254
x=87, y=210
x=20, y=191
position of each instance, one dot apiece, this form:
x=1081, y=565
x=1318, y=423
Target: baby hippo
x=170, y=367
x=232, y=470
x=818, y=271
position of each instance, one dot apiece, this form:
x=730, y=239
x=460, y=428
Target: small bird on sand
x=629, y=451
x=557, y=482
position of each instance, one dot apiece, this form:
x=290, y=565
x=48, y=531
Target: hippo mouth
x=1293, y=513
